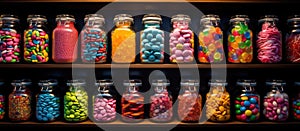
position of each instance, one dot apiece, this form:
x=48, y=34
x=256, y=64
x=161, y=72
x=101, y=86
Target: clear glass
x=276, y=101
x=292, y=39
x=210, y=40
x=295, y=101
x=20, y=101
x=2, y=101
x=76, y=101
x=123, y=39
x=240, y=40
x=218, y=102
x=47, y=101
x=161, y=109
x=64, y=39
x=104, y=103
x=94, y=39
x=132, y=102
x=36, y=40
x=10, y=39
x=269, y=40
x=247, y=101
x=189, y=102
x=152, y=40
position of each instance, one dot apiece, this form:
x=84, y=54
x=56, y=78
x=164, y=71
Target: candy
x=293, y=48
x=132, y=108
x=276, y=106
x=269, y=44
x=19, y=107
x=104, y=109
x=47, y=107
x=76, y=105
x=161, y=107
x=247, y=107
x=9, y=45
x=2, y=107
x=189, y=108
x=296, y=108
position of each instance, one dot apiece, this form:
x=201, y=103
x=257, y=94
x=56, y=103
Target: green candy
x=252, y=117
x=16, y=53
x=242, y=45
x=13, y=60
x=237, y=112
x=231, y=38
x=298, y=104
x=237, y=106
x=248, y=43
x=238, y=98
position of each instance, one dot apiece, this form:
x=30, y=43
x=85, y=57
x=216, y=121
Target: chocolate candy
x=75, y=105
x=104, y=109
x=2, y=107
x=47, y=107
x=9, y=45
x=247, y=107
x=189, y=108
x=276, y=106
x=132, y=108
x=161, y=107
x=19, y=107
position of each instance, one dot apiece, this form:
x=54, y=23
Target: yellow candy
x=26, y=53
x=248, y=113
x=244, y=98
x=211, y=47
x=33, y=51
x=244, y=55
x=46, y=36
x=179, y=46
x=238, y=39
x=217, y=56
x=221, y=108
x=234, y=45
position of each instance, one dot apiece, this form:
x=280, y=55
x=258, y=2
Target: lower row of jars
x=276, y=105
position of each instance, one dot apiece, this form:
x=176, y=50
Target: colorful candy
x=269, y=45
x=296, y=109
x=247, y=107
x=181, y=40
x=240, y=48
x=19, y=107
x=210, y=40
x=2, y=107
x=104, y=109
x=94, y=40
x=36, y=40
x=47, y=107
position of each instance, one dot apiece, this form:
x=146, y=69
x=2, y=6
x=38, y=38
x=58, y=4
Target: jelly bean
x=132, y=108
x=296, y=108
x=76, y=105
x=269, y=44
x=161, y=107
x=275, y=106
x=104, y=109
x=189, y=108
x=9, y=45
x=2, y=107
x=19, y=107
x=51, y=104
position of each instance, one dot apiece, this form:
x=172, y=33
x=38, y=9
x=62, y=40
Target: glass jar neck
x=65, y=23
x=132, y=89
x=181, y=24
x=160, y=89
x=152, y=25
x=20, y=88
x=36, y=24
x=95, y=24
x=123, y=24
x=46, y=89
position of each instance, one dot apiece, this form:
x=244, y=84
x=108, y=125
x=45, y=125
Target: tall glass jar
x=104, y=102
x=47, y=101
x=240, y=40
x=76, y=101
x=20, y=101
x=161, y=102
x=94, y=39
x=123, y=39
x=189, y=102
x=2, y=100
x=64, y=39
x=276, y=101
x=247, y=101
x=36, y=40
x=292, y=39
x=152, y=40
x=218, y=102
x=295, y=108
x=269, y=40
x=132, y=102
x=210, y=40
x=10, y=39
x=181, y=40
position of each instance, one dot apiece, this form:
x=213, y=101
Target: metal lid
x=48, y=82
x=246, y=82
x=152, y=18
x=35, y=17
x=21, y=82
x=181, y=17
x=9, y=17
x=239, y=18
x=67, y=17
x=132, y=82
x=268, y=18
x=123, y=17
x=76, y=82
x=209, y=17
x=217, y=83
x=104, y=82
x=160, y=82
x=294, y=18
x=276, y=83
x=189, y=83
x=94, y=17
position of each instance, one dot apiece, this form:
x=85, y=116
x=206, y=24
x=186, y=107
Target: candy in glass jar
x=20, y=100
x=104, y=102
x=132, y=102
x=94, y=39
x=293, y=39
x=2, y=100
x=123, y=39
x=64, y=39
x=276, y=101
x=161, y=102
x=189, y=102
x=76, y=101
x=240, y=44
x=10, y=39
x=36, y=40
x=269, y=40
x=47, y=101
x=295, y=108
x=218, y=102
x=152, y=40
x=210, y=40
x=181, y=40
x=247, y=101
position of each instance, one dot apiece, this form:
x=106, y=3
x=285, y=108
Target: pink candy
x=276, y=107
x=104, y=109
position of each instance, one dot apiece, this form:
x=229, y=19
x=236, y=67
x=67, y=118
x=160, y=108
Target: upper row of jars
x=93, y=40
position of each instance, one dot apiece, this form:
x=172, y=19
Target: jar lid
x=181, y=17
x=246, y=82
x=48, y=82
x=297, y=83
x=76, y=82
x=94, y=17
x=35, y=17
x=217, y=83
x=21, y=82
x=9, y=17
x=133, y=82
x=239, y=18
x=160, y=82
x=209, y=17
x=268, y=18
x=275, y=82
x=152, y=18
x=189, y=83
x=123, y=17
x=104, y=82
x=293, y=18
x=65, y=17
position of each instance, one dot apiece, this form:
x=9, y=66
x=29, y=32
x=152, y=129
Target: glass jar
x=104, y=103
x=189, y=102
x=247, y=101
x=293, y=39
x=19, y=101
x=295, y=108
x=152, y=40
x=47, y=101
x=240, y=44
x=161, y=102
x=36, y=39
x=218, y=102
x=76, y=102
x=65, y=37
x=132, y=102
x=210, y=40
x=276, y=101
x=123, y=39
x=269, y=40
x=10, y=39
x=94, y=39
x=2, y=100
x=181, y=40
